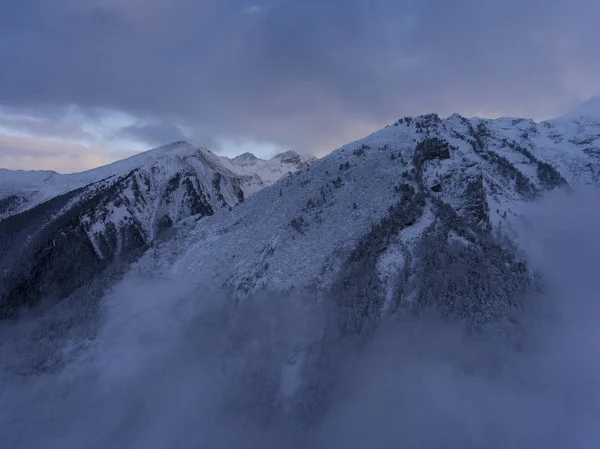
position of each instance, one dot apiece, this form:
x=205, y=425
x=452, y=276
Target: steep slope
x=60, y=231
x=379, y=220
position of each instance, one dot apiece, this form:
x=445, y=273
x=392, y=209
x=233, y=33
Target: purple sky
x=86, y=82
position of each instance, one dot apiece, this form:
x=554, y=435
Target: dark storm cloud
x=297, y=72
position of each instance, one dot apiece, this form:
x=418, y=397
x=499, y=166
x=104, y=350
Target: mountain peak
x=292, y=157
x=178, y=143
x=175, y=147
x=285, y=154
x=589, y=108
x=245, y=157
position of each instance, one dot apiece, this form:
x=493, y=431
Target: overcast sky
x=84, y=83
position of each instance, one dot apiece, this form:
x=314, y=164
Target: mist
x=170, y=363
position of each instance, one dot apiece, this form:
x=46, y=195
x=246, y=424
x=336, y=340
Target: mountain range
x=392, y=221
x=384, y=293
x=57, y=232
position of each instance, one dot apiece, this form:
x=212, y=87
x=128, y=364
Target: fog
x=173, y=364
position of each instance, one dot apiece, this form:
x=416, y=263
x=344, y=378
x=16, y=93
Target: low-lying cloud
x=176, y=364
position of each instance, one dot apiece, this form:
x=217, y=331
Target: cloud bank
x=169, y=363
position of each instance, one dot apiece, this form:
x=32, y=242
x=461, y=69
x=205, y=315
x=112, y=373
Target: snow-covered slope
x=113, y=212
x=375, y=205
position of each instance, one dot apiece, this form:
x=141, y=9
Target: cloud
x=154, y=134
x=308, y=75
x=43, y=127
x=176, y=363
x=255, y=9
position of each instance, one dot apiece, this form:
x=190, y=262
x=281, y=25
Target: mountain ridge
x=37, y=186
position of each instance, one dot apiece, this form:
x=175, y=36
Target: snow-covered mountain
x=395, y=218
x=413, y=224
x=381, y=217
x=58, y=230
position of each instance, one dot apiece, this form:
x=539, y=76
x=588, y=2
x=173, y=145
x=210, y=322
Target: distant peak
x=589, y=108
x=595, y=100
x=286, y=155
x=20, y=170
x=179, y=148
x=294, y=157
x=176, y=144
x=455, y=116
x=245, y=157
